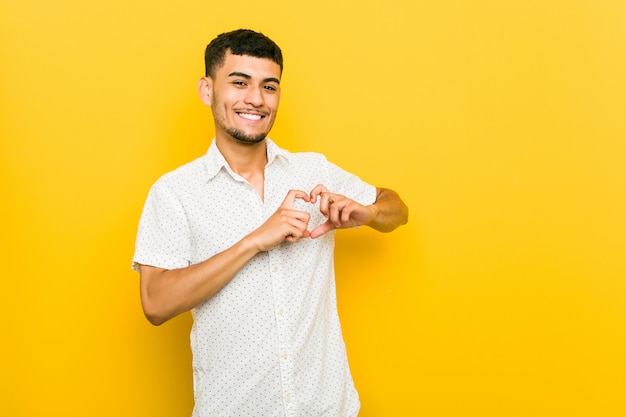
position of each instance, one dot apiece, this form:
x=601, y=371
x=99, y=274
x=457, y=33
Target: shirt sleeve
x=347, y=184
x=163, y=237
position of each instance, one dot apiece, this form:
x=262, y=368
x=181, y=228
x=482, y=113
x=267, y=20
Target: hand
x=340, y=211
x=285, y=224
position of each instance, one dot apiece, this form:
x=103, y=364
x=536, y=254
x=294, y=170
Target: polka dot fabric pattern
x=269, y=343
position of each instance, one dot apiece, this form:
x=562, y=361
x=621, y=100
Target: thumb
x=322, y=229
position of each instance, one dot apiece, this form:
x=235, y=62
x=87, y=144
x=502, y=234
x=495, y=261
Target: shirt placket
x=281, y=311
x=282, y=314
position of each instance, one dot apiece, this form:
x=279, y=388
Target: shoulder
x=314, y=159
x=294, y=158
x=189, y=174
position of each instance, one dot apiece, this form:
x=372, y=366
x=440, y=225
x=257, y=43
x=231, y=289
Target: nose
x=254, y=96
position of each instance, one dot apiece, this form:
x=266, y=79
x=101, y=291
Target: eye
x=270, y=87
x=239, y=83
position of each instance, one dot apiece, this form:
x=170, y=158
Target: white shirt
x=269, y=343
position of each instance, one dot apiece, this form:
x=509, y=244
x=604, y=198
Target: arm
x=386, y=214
x=168, y=293
x=390, y=211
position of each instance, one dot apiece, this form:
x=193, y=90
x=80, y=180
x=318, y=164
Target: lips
x=252, y=116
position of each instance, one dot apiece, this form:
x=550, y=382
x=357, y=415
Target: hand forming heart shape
x=339, y=211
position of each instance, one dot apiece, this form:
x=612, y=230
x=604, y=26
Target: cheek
x=275, y=99
x=221, y=106
x=220, y=116
x=224, y=98
x=272, y=104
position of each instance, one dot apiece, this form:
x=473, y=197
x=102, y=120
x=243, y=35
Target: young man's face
x=244, y=97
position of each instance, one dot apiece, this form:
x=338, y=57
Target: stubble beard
x=238, y=134
x=243, y=137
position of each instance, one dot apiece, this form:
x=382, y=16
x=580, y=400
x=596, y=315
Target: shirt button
x=285, y=355
x=288, y=399
x=281, y=311
x=275, y=268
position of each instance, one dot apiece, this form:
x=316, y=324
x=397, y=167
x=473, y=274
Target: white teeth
x=250, y=116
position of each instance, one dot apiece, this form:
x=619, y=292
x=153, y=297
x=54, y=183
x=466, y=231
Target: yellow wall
x=501, y=123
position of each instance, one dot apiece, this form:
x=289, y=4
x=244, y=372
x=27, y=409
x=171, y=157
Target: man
x=243, y=237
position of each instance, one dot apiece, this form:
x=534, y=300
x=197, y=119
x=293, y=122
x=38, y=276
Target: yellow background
x=501, y=123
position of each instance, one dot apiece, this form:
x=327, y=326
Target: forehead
x=254, y=67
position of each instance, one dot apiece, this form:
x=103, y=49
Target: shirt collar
x=214, y=161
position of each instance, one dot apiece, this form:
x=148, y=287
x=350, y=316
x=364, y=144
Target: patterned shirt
x=269, y=343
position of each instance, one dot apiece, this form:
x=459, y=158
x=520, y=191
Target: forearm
x=389, y=211
x=168, y=293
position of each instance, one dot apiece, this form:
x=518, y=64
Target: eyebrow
x=248, y=77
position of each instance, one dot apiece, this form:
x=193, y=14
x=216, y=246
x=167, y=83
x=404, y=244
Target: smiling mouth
x=251, y=116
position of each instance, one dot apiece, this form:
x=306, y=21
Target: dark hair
x=240, y=42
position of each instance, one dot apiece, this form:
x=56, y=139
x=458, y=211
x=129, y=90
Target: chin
x=242, y=137
x=250, y=141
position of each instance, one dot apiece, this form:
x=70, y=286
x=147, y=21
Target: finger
x=336, y=211
x=322, y=229
x=327, y=199
x=298, y=219
x=346, y=212
x=333, y=205
x=291, y=196
x=297, y=230
x=295, y=237
x=296, y=222
x=316, y=191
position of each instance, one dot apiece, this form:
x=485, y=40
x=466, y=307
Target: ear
x=205, y=90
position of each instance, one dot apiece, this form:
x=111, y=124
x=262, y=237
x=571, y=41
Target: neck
x=247, y=160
